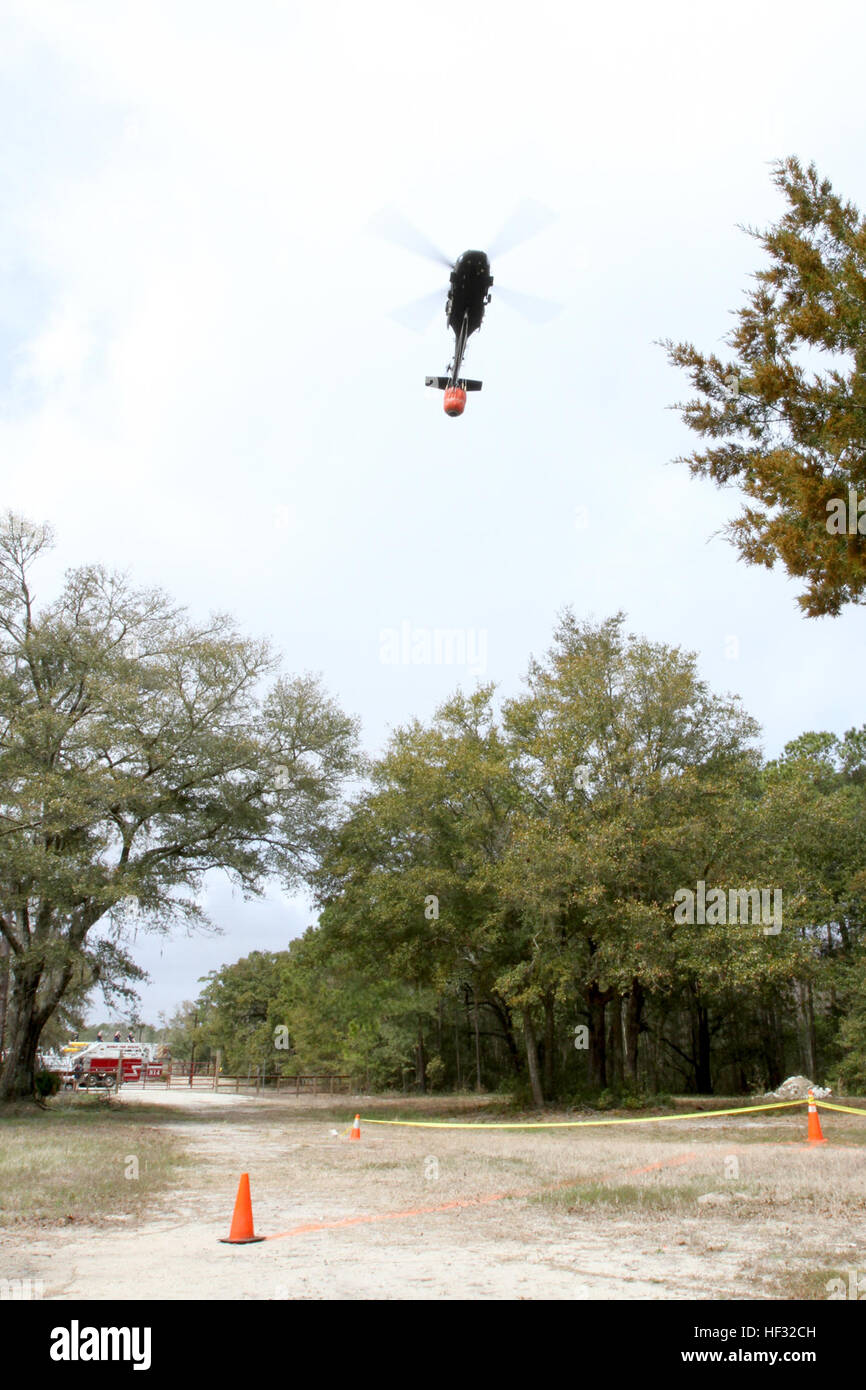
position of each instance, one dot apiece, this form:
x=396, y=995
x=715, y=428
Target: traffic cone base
x=241, y=1232
x=356, y=1128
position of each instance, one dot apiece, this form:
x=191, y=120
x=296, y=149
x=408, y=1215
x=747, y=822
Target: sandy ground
x=732, y=1244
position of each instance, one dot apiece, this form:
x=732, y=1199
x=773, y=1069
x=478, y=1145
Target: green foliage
x=851, y=1076
x=46, y=1084
x=479, y=902
x=786, y=414
x=436, y=1074
x=139, y=751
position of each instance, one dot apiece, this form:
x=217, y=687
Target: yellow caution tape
x=849, y=1109
x=578, y=1124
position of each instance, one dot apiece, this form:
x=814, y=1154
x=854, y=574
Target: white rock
x=798, y=1088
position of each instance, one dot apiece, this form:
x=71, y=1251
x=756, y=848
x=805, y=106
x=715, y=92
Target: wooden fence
x=213, y=1078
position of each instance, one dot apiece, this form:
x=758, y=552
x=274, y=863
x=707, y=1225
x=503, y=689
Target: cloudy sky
x=201, y=383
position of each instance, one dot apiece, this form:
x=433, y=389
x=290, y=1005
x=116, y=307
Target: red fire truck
x=95, y=1064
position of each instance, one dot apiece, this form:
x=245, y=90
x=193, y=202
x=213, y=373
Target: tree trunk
x=24, y=1026
x=614, y=1042
x=26, y=1015
x=655, y=1061
x=596, y=1000
x=457, y=1046
x=703, y=1074
x=771, y=1044
x=532, y=1059
x=503, y=1013
x=421, y=1058
x=478, y=1085
x=4, y=987
x=808, y=1039
x=631, y=1028
x=812, y=1033
x=549, y=1044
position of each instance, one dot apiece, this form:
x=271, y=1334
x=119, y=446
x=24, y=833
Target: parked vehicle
x=94, y=1065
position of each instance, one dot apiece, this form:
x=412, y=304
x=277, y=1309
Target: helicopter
x=469, y=290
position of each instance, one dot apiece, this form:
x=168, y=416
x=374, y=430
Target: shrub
x=435, y=1073
x=46, y=1084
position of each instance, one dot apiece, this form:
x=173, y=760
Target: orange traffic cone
x=814, y=1136
x=242, y=1232
x=356, y=1128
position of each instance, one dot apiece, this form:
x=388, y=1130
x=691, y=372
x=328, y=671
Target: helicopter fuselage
x=469, y=294
x=468, y=297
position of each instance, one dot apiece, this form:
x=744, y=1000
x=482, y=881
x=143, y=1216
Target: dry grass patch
x=622, y=1197
x=816, y=1283
x=82, y=1159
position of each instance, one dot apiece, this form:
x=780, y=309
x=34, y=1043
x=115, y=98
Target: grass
x=813, y=1283
x=629, y=1197
x=83, y=1159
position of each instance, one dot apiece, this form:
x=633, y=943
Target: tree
x=180, y=1033
x=504, y=876
x=634, y=774
x=789, y=409
x=814, y=817
x=405, y=886
x=138, y=752
x=235, y=1006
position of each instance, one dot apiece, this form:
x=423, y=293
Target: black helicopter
x=469, y=290
x=468, y=297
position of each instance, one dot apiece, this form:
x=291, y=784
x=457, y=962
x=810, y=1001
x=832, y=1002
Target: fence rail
x=211, y=1078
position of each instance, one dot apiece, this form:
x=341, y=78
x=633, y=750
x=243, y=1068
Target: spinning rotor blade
x=528, y=305
x=392, y=226
x=527, y=220
x=418, y=313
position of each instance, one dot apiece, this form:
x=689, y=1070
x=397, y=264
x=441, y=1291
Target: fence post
x=216, y=1069
x=119, y=1081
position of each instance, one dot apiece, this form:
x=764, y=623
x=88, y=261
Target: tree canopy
x=785, y=415
x=499, y=904
x=139, y=750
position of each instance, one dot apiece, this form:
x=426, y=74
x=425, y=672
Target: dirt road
x=688, y=1212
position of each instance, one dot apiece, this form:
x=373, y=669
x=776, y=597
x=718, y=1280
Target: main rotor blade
x=392, y=226
x=418, y=313
x=527, y=220
x=528, y=305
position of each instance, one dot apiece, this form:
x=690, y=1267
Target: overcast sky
x=200, y=382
